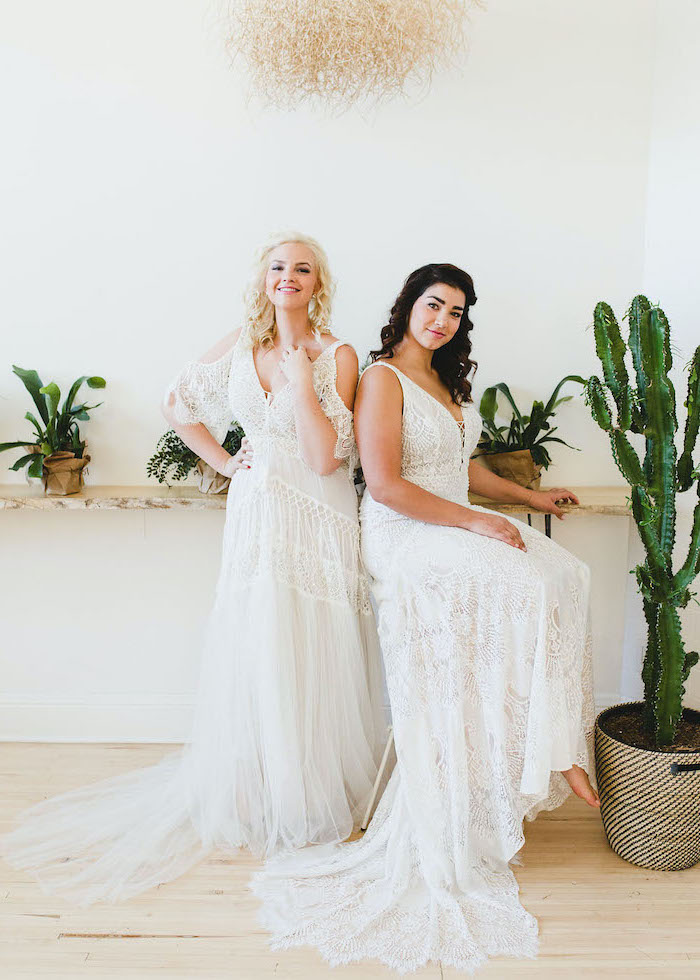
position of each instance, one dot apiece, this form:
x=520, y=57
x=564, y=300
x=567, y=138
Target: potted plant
x=174, y=459
x=648, y=752
x=56, y=453
x=517, y=451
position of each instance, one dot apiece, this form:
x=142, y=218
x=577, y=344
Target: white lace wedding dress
x=288, y=724
x=487, y=652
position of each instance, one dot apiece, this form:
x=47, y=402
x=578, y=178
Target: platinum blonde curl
x=259, y=311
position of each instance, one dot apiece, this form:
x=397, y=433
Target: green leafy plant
x=524, y=431
x=58, y=430
x=174, y=460
x=649, y=410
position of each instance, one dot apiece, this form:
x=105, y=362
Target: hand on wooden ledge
x=546, y=501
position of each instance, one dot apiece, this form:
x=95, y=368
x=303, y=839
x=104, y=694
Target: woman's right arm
x=378, y=422
x=197, y=436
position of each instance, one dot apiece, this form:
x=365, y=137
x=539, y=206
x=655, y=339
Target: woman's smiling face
x=436, y=315
x=291, y=276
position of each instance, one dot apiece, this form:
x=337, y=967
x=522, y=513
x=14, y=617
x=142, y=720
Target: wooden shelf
x=611, y=501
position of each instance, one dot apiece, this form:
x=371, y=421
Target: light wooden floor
x=599, y=916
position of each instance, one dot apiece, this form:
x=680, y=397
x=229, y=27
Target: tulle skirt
x=288, y=723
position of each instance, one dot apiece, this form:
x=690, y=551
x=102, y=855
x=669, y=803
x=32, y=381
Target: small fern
x=173, y=460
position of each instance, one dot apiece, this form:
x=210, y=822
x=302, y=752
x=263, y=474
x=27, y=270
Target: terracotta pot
x=211, y=481
x=63, y=473
x=648, y=797
x=517, y=466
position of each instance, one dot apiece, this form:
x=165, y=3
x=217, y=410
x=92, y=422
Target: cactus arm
x=597, y=402
x=692, y=424
x=626, y=458
x=639, y=306
x=643, y=513
x=651, y=668
x=662, y=424
x=691, y=567
x=611, y=351
x=669, y=706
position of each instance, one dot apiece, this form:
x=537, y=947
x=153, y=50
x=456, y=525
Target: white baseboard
x=99, y=718
x=164, y=718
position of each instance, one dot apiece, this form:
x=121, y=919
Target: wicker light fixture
x=341, y=52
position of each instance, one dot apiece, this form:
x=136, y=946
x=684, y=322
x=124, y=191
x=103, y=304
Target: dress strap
x=399, y=374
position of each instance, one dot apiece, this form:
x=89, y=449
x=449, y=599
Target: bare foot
x=578, y=780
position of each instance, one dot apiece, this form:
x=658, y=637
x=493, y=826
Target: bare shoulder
x=221, y=348
x=381, y=385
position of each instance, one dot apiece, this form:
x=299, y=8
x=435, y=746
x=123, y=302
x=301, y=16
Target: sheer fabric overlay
x=487, y=651
x=288, y=721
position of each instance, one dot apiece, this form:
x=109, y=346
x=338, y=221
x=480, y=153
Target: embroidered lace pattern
x=288, y=724
x=487, y=651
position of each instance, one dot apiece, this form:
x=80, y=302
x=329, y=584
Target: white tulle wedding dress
x=487, y=652
x=288, y=723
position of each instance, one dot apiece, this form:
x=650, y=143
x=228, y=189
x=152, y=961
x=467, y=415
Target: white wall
x=672, y=255
x=141, y=180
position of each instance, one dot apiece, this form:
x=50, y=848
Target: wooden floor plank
x=599, y=916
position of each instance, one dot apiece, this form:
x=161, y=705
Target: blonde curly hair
x=259, y=311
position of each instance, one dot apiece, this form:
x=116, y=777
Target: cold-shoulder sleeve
x=200, y=394
x=337, y=412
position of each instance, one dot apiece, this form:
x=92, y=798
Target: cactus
x=649, y=409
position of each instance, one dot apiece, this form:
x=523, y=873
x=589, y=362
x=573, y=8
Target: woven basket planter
x=649, y=800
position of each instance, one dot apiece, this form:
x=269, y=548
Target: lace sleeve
x=200, y=394
x=337, y=413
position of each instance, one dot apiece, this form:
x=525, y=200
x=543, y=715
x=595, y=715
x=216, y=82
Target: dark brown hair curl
x=452, y=361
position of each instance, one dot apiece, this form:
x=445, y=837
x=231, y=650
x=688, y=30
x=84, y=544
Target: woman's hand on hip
x=241, y=461
x=494, y=526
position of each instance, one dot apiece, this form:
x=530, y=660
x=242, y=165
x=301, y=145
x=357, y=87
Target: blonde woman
x=287, y=727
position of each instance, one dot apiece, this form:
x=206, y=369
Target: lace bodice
x=228, y=388
x=436, y=448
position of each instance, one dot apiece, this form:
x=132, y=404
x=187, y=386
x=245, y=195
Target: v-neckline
x=270, y=396
x=425, y=392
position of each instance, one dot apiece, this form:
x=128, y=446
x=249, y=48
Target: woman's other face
x=291, y=276
x=436, y=315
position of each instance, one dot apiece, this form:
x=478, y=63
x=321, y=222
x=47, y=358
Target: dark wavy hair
x=452, y=361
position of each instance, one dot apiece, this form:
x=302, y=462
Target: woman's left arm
x=486, y=483
x=315, y=431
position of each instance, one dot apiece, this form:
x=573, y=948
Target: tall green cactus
x=649, y=409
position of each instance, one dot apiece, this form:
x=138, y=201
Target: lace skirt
x=488, y=660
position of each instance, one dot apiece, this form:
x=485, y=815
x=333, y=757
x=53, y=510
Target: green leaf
x=32, y=382
x=552, y=403
x=93, y=381
x=37, y=467
x=503, y=387
x=13, y=445
x=31, y=418
x=53, y=395
x=488, y=405
x=548, y=438
x=22, y=461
